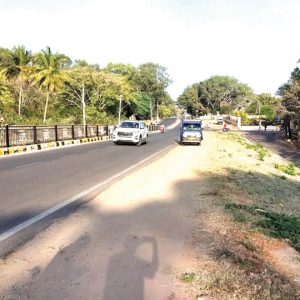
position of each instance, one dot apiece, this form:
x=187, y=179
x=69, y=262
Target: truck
x=219, y=120
x=191, y=132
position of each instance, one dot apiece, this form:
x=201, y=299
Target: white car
x=135, y=132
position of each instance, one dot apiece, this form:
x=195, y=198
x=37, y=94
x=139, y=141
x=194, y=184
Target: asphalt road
x=276, y=143
x=32, y=183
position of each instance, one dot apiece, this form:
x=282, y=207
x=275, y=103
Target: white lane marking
x=67, y=156
x=55, y=208
x=23, y=166
x=93, y=150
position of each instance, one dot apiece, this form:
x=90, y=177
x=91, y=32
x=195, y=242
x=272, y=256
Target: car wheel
x=199, y=144
x=116, y=143
x=146, y=140
x=139, y=143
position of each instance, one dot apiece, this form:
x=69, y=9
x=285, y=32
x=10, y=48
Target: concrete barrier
x=43, y=146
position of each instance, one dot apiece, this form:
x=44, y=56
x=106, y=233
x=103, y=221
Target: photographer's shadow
x=126, y=271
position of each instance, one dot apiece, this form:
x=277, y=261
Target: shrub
x=289, y=169
x=269, y=112
x=253, y=122
x=244, y=117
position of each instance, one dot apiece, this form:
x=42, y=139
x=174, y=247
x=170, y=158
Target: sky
x=255, y=41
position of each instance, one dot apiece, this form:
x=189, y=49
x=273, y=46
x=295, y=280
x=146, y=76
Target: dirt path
x=135, y=240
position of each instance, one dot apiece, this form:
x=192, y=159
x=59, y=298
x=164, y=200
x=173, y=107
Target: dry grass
x=235, y=262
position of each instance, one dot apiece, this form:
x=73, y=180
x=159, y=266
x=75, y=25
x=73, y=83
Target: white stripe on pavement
x=55, y=208
x=23, y=166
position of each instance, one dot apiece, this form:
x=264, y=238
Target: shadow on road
x=127, y=270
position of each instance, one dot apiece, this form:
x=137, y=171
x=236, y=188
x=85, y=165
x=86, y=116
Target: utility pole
x=120, y=108
x=259, y=122
x=157, y=116
x=83, y=106
x=151, y=116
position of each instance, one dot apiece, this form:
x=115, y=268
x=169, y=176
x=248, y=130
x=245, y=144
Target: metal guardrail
x=153, y=127
x=16, y=135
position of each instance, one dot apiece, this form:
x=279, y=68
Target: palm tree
x=49, y=73
x=17, y=64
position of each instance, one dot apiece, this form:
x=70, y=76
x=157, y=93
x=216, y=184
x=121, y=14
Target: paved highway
x=34, y=182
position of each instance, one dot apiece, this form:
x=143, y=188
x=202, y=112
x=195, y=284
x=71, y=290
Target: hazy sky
x=255, y=41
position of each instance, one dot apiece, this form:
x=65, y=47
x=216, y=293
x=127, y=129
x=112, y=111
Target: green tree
x=268, y=112
x=49, y=73
x=81, y=63
x=290, y=95
x=78, y=89
x=139, y=106
x=219, y=90
x=126, y=70
x=107, y=89
x=153, y=80
x=17, y=65
x=289, y=108
x=265, y=100
x=189, y=101
x=6, y=98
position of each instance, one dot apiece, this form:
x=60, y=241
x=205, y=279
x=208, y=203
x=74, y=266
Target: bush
x=244, y=118
x=253, y=122
x=289, y=169
x=269, y=112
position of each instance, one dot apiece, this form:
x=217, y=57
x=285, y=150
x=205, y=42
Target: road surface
x=35, y=182
x=276, y=143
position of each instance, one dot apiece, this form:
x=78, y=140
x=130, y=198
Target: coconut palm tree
x=49, y=74
x=17, y=64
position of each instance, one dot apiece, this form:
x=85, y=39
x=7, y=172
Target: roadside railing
x=16, y=135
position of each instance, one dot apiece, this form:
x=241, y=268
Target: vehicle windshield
x=129, y=125
x=191, y=127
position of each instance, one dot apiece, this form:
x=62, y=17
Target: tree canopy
x=218, y=93
x=290, y=94
x=47, y=87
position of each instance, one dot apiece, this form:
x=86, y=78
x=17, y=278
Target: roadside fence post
x=56, y=133
x=34, y=135
x=73, y=132
x=86, y=130
x=7, y=135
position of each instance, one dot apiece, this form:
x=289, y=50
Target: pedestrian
x=225, y=128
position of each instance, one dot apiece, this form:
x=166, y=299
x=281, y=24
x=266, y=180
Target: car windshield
x=129, y=125
x=191, y=126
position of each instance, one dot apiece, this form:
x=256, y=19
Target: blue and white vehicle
x=134, y=132
x=191, y=132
